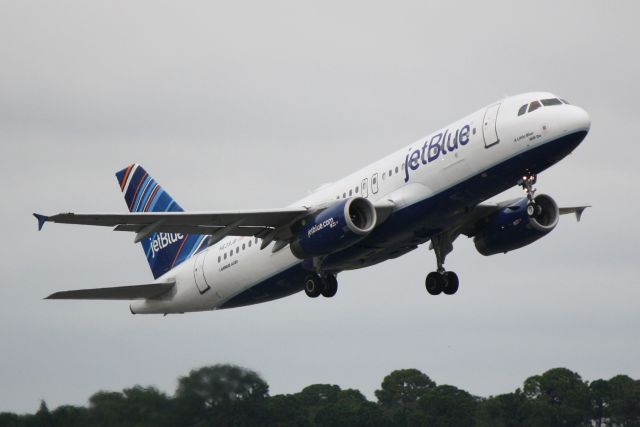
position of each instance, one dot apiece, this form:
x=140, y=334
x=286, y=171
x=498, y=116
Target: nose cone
x=577, y=119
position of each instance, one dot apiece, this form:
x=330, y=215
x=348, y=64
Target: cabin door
x=198, y=272
x=489, y=129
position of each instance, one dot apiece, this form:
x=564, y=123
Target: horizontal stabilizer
x=153, y=290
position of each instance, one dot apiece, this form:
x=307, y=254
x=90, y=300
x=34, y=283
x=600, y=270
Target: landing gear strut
x=441, y=281
x=315, y=285
x=527, y=182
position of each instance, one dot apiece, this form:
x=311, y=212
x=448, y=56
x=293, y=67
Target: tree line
x=229, y=395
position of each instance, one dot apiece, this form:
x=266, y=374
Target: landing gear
x=451, y=283
x=446, y=282
x=441, y=281
x=314, y=285
x=434, y=283
x=527, y=182
x=330, y=286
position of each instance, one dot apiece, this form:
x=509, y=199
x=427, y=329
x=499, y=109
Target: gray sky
x=250, y=105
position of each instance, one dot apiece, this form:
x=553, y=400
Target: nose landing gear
x=527, y=182
x=441, y=281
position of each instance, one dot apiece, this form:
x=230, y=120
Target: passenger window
x=534, y=106
x=249, y=243
x=350, y=193
x=396, y=169
x=218, y=258
x=551, y=101
x=225, y=255
x=522, y=110
x=244, y=246
x=356, y=190
x=237, y=249
x=384, y=175
x=344, y=195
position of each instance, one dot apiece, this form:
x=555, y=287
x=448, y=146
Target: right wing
x=269, y=225
x=273, y=224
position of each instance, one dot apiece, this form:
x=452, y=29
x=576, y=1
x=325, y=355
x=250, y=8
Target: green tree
x=9, y=419
x=559, y=397
x=136, y=407
x=70, y=416
x=287, y=410
x=600, y=397
x=505, y=410
x=349, y=408
x=222, y=395
x=403, y=387
x=624, y=401
x=444, y=406
x=399, y=392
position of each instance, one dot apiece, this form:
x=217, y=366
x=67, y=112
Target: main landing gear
x=314, y=285
x=441, y=281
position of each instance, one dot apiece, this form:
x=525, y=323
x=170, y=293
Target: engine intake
x=518, y=225
x=337, y=227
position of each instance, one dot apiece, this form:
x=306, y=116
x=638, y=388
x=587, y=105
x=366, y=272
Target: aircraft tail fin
x=143, y=194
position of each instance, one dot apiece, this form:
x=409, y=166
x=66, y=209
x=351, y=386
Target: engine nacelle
x=514, y=227
x=337, y=227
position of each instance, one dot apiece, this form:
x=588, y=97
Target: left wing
x=471, y=224
x=481, y=212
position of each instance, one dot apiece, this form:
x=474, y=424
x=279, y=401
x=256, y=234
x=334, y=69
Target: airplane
x=433, y=190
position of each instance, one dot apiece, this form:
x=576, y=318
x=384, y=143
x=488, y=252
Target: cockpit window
x=564, y=101
x=551, y=101
x=522, y=110
x=534, y=106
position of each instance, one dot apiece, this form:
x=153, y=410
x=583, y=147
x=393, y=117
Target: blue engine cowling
x=517, y=226
x=337, y=227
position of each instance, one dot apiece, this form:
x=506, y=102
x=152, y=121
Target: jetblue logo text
x=440, y=143
x=162, y=240
x=331, y=222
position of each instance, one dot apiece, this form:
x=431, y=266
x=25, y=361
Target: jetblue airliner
x=433, y=190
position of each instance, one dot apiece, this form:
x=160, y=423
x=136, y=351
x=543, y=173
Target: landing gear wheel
x=452, y=283
x=434, y=283
x=313, y=286
x=330, y=286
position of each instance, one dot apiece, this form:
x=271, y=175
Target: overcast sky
x=251, y=105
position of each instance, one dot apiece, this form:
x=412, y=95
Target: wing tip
x=41, y=220
x=580, y=211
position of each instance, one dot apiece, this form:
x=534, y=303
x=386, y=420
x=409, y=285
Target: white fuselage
x=466, y=148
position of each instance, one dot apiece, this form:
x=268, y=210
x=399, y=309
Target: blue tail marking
x=142, y=193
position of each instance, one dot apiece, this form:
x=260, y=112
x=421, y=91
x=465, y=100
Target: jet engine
x=517, y=225
x=337, y=227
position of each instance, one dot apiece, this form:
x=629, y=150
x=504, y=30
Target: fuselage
x=430, y=183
